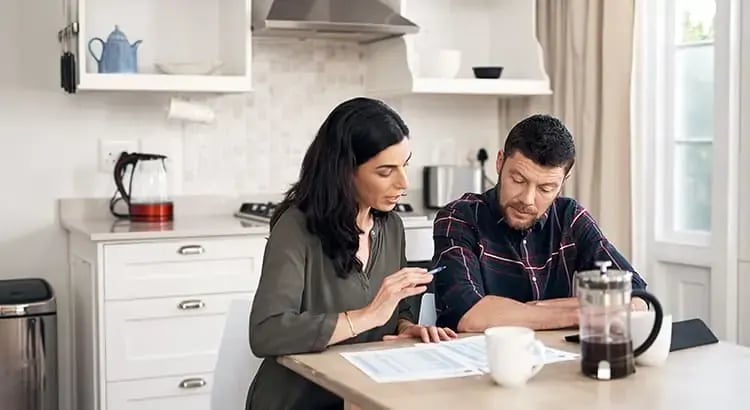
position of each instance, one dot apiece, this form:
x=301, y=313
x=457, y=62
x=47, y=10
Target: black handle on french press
x=658, y=318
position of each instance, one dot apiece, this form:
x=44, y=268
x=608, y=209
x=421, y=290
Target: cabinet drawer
x=187, y=392
x=165, y=336
x=167, y=268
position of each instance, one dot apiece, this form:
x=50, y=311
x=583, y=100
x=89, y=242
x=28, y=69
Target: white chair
x=427, y=313
x=236, y=365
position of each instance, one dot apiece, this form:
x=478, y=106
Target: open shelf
x=485, y=32
x=164, y=82
x=172, y=31
x=473, y=86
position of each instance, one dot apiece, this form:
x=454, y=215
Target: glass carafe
x=149, y=183
x=606, y=345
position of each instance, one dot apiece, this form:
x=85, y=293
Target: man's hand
x=498, y=311
x=558, y=303
x=636, y=304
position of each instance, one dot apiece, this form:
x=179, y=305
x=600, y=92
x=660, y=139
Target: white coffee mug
x=514, y=355
x=640, y=326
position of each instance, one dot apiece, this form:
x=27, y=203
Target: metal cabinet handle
x=191, y=304
x=192, y=383
x=191, y=250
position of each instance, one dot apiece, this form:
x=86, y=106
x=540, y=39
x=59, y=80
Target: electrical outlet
x=110, y=150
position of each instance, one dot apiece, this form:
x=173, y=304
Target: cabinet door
x=165, y=336
x=183, y=392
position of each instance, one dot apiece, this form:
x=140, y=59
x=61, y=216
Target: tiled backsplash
x=259, y=139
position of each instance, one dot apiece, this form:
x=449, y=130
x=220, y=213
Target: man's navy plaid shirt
x=484, y=256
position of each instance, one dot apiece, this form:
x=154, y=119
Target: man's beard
x=522, y=227
x=519, y=208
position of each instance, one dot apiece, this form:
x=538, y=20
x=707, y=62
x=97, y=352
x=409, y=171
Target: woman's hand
x=402, y=284
x=426, y=333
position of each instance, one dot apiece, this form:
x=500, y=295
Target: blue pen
x=436, y=270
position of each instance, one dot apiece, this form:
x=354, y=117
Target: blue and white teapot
x=118, y=55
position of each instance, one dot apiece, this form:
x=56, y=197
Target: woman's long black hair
x=354, y=132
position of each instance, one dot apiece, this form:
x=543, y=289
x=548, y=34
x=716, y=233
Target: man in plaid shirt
x=512, y=251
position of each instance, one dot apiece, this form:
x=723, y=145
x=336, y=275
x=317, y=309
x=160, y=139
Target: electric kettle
x=145, y=192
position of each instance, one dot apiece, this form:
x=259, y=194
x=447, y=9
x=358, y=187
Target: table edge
x=329, y=384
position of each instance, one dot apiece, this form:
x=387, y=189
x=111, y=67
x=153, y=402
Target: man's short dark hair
x=543, y=139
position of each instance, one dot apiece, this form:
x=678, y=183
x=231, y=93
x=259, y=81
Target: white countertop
x=194, y=217
x=182, y=227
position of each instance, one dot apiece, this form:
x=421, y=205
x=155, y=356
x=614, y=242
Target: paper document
x=471, y=350
x=455, y=358
x=410, y=363
x=474, y=350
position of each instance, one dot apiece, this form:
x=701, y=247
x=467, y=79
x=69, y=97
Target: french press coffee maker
x=606, y=346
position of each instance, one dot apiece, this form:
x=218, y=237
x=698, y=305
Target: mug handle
x=538, y=348
x=659, y=317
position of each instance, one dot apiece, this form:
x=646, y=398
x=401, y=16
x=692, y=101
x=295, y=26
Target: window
x=691, y=110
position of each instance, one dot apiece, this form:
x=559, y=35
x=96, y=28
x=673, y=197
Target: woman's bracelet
x=351, y=325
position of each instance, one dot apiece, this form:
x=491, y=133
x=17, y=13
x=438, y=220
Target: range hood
x=364, y=21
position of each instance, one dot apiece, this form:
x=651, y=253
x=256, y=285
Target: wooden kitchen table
x=708, y=377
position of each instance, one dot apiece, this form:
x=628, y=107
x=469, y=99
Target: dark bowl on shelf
x=487, y=72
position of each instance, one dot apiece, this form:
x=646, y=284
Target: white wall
x=48, y=140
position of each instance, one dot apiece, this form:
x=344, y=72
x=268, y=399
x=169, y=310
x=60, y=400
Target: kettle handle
x=98, y=60
x=658, y=317
x=123, y=161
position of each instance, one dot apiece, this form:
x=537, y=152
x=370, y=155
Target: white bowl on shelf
x=190, y=68
x=444, y=63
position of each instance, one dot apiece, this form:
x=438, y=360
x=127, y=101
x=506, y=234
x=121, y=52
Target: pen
x=436, y=270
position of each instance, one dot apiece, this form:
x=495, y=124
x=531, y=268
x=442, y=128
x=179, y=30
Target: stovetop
x=262, y=211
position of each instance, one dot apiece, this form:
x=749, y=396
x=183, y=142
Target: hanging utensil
x=66, y=37
x=72, y=83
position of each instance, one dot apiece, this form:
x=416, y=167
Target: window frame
x=657, y=109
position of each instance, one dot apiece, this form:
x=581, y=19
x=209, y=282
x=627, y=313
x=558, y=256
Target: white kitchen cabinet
x=485, y=32
x=148, y=316
x=172, y=32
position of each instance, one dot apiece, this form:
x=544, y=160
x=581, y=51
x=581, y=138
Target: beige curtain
x=588, y=51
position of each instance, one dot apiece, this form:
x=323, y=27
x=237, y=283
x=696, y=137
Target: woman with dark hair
x=334, y=266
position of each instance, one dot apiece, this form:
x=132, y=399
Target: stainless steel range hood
x=359, y=20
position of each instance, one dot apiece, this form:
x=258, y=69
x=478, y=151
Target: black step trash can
x=28, y=345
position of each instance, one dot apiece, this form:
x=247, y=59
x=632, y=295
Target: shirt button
x=533, y=278
x=524, y=241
